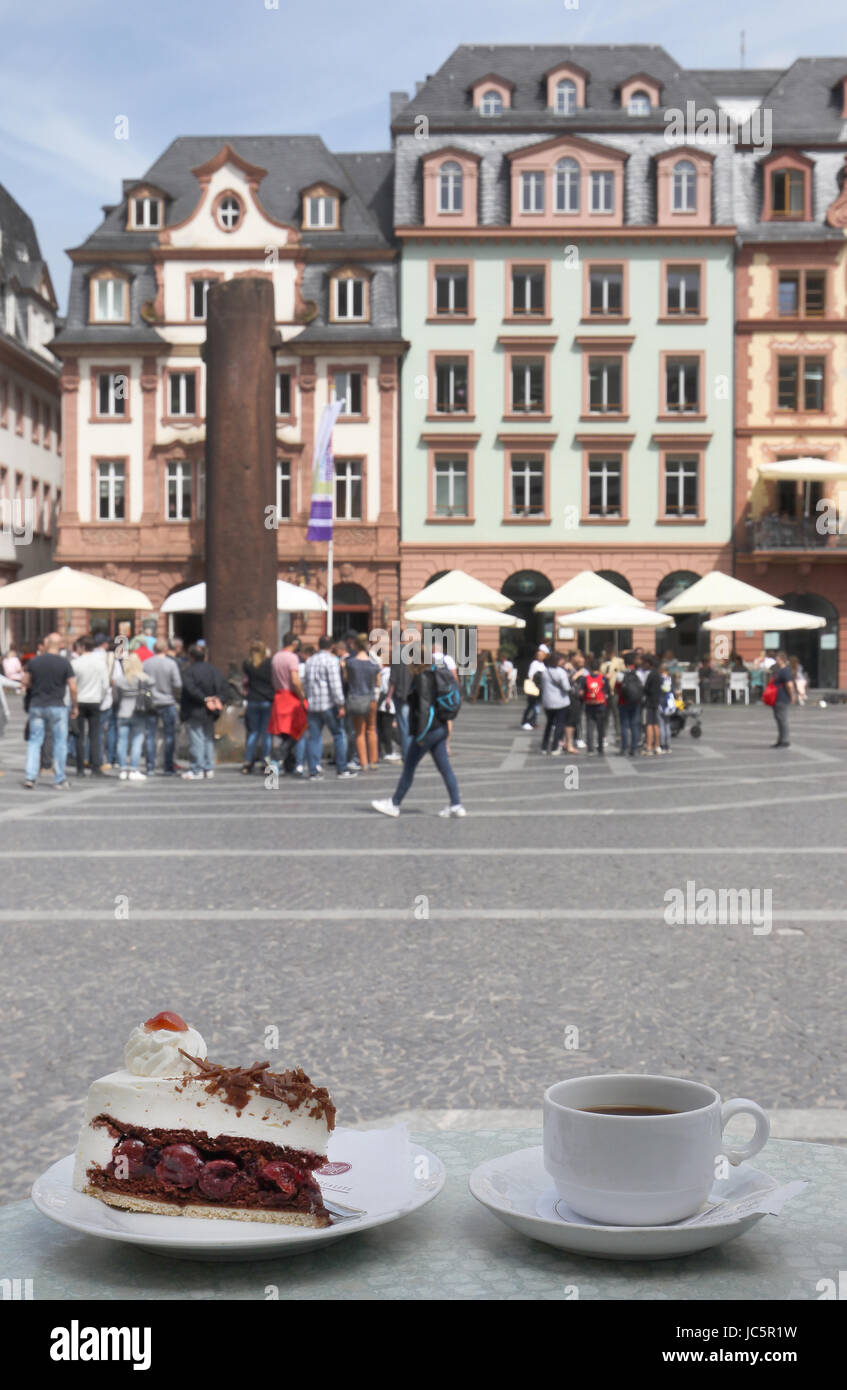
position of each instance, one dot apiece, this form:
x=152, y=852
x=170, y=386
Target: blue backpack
x=439, y=699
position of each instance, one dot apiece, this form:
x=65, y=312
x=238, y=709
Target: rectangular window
x=787, y=191
x=349, y=299
x=532, y=192
x=112, y=393
x=451, y=386
x=451, y=485
x=199, y=297
x=602, y=192
x=283, y=393
x=527, y=486
x=110, y=300
x=682, y=385
x=178, y=486
x=111, y=490
x=320, y=211
x=348, y=489
x=146, y=212
x=451, y=290
x=814, y=297
x=813, y=383
x=605, y=485
x=605, y=385
x=527, y=386
x=787, y=378
x=528, y=285
x=283, y=490
x=682, y=486
x=802, y=293
x=605, y=291
x=683, y=290
x=182, y=393
x=347, y=387
x=201, y=489
x=789, y=293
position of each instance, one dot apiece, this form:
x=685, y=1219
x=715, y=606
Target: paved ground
x=300, y=909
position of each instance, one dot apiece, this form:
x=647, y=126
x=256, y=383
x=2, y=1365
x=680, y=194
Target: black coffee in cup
x=625, y=1110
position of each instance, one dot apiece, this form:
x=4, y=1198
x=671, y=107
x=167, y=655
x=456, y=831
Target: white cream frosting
x=156, y=1052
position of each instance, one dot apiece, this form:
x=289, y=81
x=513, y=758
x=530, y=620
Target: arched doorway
x=187, y=626
x=684, y=641
x=817, y=651
x=597, y=639
x=351, y=609
x=525, y=589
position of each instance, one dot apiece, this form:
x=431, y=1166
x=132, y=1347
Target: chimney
x=419, y=85
x=398, y=100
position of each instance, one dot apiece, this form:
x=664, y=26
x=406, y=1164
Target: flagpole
x=329, y=565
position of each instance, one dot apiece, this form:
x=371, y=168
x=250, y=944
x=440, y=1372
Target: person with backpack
x=630, y=692
x=434, y=701
x=555, y=699
x=134, y=691
x=652, y=700
x=595, y=694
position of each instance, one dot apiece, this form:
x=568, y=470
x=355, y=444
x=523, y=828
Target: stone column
x=241, y=551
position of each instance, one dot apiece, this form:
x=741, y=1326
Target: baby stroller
x=684, y=714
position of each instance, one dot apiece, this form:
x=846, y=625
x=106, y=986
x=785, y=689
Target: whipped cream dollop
x=156, y=1051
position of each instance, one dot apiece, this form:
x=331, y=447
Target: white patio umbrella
x=718, y=593
x=462, y=615
x=587, y=590
x=764, y=620
x=290, y=598
x=804, y=470
x=69, y=588
x=458, y=587
x=616, y=616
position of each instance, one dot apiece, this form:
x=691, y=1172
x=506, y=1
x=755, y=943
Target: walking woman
x=428, y=728
x=259, y=695
x=555, y=698
x=362, y=676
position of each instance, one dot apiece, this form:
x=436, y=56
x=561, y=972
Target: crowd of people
x=110, y=705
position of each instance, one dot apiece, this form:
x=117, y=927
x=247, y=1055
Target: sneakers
x=62, y=786
x=192, y=776
x=452, y=811
x=528, y=728
x=29, y=785
x=580, y=743
x=122, y=775
x=556, y=753
x=209, y=774
x=392, y=758
x=348, y=772
x=137, y=775
x=385, y=808
x=316, y=776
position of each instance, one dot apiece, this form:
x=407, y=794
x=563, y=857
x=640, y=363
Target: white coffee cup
x=640, y=1170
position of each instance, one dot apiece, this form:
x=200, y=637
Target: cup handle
x=760, y=1137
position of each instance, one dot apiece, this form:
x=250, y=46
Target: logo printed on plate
x=333, y=1170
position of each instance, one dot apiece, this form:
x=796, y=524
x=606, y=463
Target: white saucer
x=517, y=1189
x=400, y=1178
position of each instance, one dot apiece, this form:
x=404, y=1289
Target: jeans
x=780, y=714
x=109, y=735
x=201, y=745
x=167, y=714
x=435, y=742
x=630, y=727
x=595, y=718
x=554, y=729
x=256, y=716
x=385, y=732
x=319, y=719
x=402, y=708
x=89, y=714
x=664, y=730
x=54, y=718
x=530, y=714
x=131, y=733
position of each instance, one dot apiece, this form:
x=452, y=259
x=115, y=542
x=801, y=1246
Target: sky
x=69, y=69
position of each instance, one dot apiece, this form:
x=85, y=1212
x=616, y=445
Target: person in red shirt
x=595, y=695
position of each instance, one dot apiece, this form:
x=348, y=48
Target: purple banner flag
x=323, y=476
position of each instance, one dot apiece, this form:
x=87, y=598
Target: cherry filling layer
x=189, y=1167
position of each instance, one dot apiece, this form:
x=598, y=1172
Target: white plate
x=516, y=1188
x=400, y=1178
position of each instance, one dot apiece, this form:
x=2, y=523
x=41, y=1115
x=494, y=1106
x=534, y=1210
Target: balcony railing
x=774, y=533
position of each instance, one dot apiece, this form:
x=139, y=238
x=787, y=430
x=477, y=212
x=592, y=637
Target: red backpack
x=594, y=692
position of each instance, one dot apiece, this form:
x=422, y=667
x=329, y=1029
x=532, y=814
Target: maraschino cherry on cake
x=175, y=1134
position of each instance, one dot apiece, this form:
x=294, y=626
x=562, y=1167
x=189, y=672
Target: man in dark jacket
x=399, y=685
x=203, y=693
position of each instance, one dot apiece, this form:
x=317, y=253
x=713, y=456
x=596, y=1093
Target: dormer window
x=145, y=212
x=787, y=192
x=602, y=191
x=567, y=186
x=639, y=104
x=491, y=103
x=565, y=97
x=684, y=198
x=228, y=212
x=491, y=95
x=532, y=191
x=109, y=298
x=321, y=205
x=450, y=187
x=787, y=186
x=349, y=297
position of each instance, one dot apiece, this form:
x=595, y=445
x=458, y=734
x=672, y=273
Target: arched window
x=229, y=212
x=617, y=579
x=450, y=187
x=639, y=104
x=565, y=97
x=567, y=186
x=491, y=104
x=684, y=186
